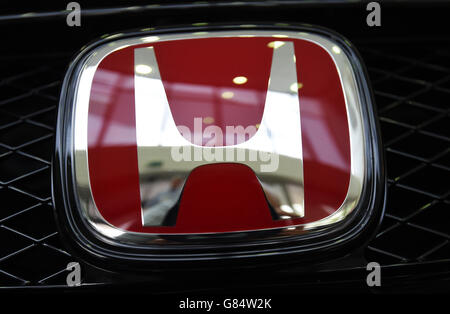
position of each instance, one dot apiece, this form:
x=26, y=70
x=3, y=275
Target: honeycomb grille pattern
x=412, y=90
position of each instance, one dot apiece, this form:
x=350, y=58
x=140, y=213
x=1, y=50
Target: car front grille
x=411, y=83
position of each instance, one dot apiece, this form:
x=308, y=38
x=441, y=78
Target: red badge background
x=195, y=73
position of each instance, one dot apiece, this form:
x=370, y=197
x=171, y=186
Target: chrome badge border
x=81, y=217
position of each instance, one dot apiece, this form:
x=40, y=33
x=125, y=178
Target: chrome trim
x=83, y=81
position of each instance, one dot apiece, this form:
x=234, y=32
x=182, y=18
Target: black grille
x=30, y=251
x=412, y=90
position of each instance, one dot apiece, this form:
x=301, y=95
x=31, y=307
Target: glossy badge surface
x=231, y=133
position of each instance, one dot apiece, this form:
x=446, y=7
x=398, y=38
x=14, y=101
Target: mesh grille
x=412, y=90
x=30, y=251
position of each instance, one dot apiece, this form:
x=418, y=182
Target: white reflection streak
x=280, y=130
x=82, y=112
x=155, y=125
